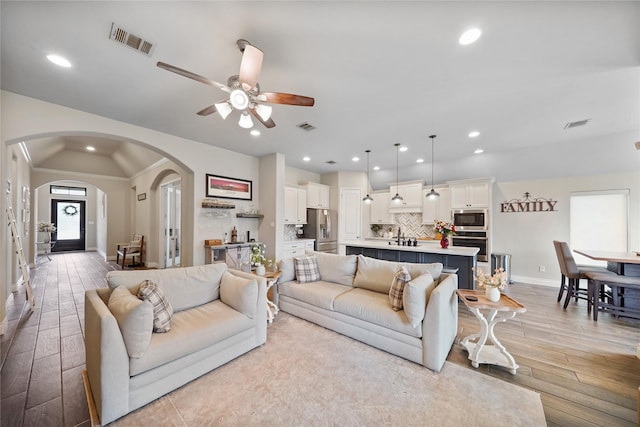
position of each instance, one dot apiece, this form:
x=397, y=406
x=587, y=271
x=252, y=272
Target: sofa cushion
x=287, y=271
x=239, y=293
x=337, y=268
x=162, y=310
x=192, y=330
x=135, y=320
x=320, y=293
x=373, y=307
x=375, y=274
x=415, y=296
x=184, y=287
x=306, y=268
x=397, y=287
x=434, y=268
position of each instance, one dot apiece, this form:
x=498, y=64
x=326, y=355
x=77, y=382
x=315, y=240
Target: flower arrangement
x=258, y=255
x=497, y=280
x=46, y=227
x=445, y=228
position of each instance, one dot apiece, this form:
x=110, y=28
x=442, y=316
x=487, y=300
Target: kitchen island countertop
x=425, y=246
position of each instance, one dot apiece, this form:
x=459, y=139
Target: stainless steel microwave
x=470, y=219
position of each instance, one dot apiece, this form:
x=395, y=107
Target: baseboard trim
x=536, y=281
x=93, y=411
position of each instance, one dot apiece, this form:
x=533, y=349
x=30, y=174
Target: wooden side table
x=272, y=309
x=476, y=344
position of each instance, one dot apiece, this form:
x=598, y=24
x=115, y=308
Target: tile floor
x=43, y=351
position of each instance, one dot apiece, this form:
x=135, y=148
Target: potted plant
x=492, y=284
x=445, y=229
x=258, y=259
x=46, y=228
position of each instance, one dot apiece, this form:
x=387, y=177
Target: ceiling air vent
x=330, y=162
x=576, y=124
x=123, y=36
x=306, y=126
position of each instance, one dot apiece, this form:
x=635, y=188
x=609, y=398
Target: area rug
x=306, y=375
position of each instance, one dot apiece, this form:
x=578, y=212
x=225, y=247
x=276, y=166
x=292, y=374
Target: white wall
x=295, y=176
x=528, y=236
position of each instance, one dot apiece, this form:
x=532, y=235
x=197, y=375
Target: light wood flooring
x=586, y=372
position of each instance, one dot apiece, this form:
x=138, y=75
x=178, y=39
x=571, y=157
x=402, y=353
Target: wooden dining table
x=623, y=263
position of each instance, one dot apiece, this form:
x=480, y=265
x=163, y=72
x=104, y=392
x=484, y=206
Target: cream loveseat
x=352, y=298
x=218, y=315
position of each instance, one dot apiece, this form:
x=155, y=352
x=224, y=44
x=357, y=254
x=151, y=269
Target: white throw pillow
x=135, y=320
x=162, y=310
x=337, y=268
x=287, y=272
x=306, y=268
x=397, y=288
x=239, y=293
x=415, y=296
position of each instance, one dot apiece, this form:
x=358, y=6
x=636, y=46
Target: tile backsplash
x=411, y=225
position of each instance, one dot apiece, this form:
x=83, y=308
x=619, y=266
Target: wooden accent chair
x=131, y=250
x=570, y=270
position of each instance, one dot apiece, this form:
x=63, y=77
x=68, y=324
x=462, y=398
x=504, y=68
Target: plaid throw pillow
x=397, y=288
x=306, y=268
x=162, y=310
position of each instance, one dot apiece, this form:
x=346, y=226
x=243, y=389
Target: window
x=67, y=191
x=599, y=220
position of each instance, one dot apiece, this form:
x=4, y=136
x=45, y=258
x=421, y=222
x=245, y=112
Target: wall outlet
x=541, y=268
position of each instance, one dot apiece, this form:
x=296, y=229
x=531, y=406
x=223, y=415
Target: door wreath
x=70, y=210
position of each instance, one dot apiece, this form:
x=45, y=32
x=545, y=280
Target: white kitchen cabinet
x=379, y=209
x=295, y=205
x=439, y=208
x=295, y=248
x=411, y=194
x=470, y=194
x=318, y=195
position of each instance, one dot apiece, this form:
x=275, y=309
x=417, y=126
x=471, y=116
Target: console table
x=476, y=344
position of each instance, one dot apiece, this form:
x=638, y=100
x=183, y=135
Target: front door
x=69, y=219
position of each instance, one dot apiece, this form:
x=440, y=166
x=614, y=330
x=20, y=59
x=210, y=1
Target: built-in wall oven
x=470, y=219
x=473, y=239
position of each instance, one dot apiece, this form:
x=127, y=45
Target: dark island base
x=464, y=264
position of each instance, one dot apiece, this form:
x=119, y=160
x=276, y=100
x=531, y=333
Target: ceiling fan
x=244, y=90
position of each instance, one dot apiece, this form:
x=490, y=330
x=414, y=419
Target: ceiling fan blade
x=267, y=123
x=207, y=111
x=250, y=67
x=286, y=98
x=192, y=76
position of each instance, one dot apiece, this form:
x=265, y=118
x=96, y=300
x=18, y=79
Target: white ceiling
x=381, y=73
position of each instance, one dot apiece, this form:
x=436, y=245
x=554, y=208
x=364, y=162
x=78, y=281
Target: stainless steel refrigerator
x=322, y=225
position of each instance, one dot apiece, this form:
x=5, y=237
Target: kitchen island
x=454, y=257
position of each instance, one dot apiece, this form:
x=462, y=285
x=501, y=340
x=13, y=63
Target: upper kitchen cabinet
x=380, y=213
x=439, y=208
x=318, y=195
x=472, y=193
x=295, y=205
x=411, y=193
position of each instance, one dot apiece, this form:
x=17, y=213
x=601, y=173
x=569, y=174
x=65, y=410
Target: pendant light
x=368, y=199
x=433, y=194
x=397, y=199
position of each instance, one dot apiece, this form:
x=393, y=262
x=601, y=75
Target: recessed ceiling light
x=255, y=132
x=59, y=60
x=419, y=160
x=403, y=149
x=355, y=159
x=474, y=134
x=478, y=151
x=90, y=148
x=306, y=158
x=376, y=168
x=470, y=36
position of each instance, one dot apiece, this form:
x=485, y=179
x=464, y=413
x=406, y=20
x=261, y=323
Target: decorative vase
x=260, y=270
x=492, y=294
x=444, y=241
x=44, y=237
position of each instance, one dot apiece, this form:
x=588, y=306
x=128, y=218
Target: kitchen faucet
x=399, y=233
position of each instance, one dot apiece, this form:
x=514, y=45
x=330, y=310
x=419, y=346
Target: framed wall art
x=229, y=188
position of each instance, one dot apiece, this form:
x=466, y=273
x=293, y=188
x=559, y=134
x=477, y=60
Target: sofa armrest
x=261, y=304
x=106, y=359
x=440, y=323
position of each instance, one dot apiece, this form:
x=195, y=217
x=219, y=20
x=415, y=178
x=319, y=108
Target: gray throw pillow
x=162, y=310
x=306, y=268
x=397, y=288
x=135, y=320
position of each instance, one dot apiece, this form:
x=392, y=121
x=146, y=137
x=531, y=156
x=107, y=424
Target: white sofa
x=352, y=298
x=219, y=314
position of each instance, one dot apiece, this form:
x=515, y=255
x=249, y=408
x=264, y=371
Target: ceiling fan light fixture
x=239, y=99
x=264, y=111
x=245, y=120
x=224, y=109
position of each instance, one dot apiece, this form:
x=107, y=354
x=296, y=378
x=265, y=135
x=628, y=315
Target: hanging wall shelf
x=248, y=215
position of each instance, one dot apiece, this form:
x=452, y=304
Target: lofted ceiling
x=381, y=73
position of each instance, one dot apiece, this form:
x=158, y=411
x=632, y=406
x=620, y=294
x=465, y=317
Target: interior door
x=69, y=217
x=171, y=198
x=350, y=224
